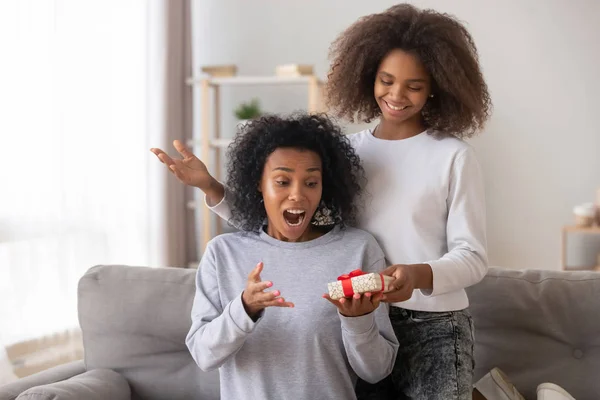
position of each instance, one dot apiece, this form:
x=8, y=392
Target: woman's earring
x=431, y=95
x=323, y=216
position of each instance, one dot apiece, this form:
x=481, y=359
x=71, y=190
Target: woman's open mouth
x=294, y=216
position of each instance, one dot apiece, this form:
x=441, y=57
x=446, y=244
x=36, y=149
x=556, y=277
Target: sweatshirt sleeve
x=466, y=261
x=369, y=340
x=217, y=332
x=222, y=208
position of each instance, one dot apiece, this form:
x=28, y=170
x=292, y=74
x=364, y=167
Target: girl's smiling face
x=402, y=86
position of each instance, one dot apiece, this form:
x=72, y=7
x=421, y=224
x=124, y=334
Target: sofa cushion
x=99, y=384
x=134, y=320
x=11, y=390
x=539, y=326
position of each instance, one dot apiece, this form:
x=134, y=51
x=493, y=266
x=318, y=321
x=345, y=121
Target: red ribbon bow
x=347, y=283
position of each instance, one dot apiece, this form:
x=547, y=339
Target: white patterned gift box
x=358, y=282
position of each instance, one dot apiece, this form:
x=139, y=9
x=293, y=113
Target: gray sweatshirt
x=306, y=352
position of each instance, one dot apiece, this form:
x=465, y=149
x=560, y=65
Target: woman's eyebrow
x=286, y=169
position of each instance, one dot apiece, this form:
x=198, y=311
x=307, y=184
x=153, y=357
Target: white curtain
x=76, y=172
x=170, y=117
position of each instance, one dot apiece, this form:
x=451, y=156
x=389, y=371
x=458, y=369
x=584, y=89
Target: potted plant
x=247, y=111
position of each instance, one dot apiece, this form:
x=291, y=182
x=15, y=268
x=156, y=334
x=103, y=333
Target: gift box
x=358, y=281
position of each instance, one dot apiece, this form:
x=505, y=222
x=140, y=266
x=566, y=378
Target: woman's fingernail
x=276, y=293
x=342, y=300
x=368, y=294
x=269, y=284
x=357, y=296
x=280, y=300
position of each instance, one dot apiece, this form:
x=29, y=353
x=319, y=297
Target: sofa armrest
x=97, y=384
x=59, y=373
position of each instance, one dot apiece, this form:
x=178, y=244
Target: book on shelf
x=220, y=71
x=293, y=70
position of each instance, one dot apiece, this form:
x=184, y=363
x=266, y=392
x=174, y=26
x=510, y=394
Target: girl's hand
x=401, y=289
x=189, y=170
x=356, y=305
x=254, y=297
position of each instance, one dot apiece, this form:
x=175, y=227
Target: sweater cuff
x=442, y=271
x=240, y=317
x=221, y=208
x=358, y=325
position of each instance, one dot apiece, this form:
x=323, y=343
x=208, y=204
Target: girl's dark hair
x=461, y=102
x=342, y=172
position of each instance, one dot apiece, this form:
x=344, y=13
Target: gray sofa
x=537, y=326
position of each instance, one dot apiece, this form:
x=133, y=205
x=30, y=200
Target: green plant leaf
x=248, y=110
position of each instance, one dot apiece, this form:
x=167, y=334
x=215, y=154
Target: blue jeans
x=435, y=358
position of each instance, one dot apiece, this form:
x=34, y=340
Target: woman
x=292, y=187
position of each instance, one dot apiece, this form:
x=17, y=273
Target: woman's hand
x=357, y=305
x=255, y=299
x=191, y=171
x=401, y=289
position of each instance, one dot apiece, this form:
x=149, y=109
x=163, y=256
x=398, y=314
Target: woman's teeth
x=294, y=217
x=395, y=108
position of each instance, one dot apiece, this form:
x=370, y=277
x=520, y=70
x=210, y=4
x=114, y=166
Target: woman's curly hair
x=461, y=104
x=342, y=172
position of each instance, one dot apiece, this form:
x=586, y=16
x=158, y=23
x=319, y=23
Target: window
x=74, y=174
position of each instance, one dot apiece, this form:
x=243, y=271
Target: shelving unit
x=566, y=230
x=212, y=144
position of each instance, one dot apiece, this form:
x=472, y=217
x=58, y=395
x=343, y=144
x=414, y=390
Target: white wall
x=541, y=150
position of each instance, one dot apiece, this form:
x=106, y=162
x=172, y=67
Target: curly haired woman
x=417, y=73
x=283, y=173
